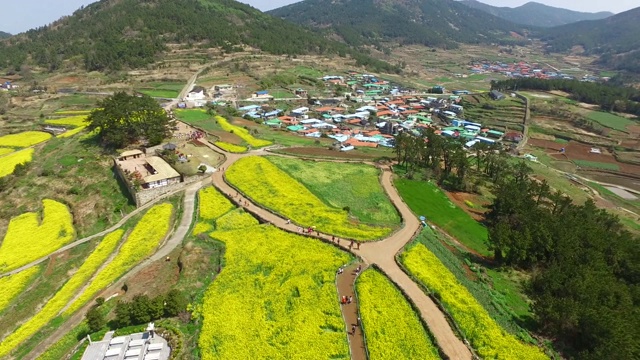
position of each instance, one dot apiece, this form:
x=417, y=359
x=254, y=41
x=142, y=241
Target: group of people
x=346, y=300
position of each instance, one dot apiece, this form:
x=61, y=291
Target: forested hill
x=116, y=34
x=436, y=23
x=536, y=14
x=4, y=35
x=616, y=38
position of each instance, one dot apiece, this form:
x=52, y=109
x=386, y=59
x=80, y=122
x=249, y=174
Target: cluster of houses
x=377, y=122
x=517, y=70
x=7, y=85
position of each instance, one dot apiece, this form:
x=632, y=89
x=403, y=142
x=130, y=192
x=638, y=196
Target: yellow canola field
x=64, y=295
x=201, y=228
x=266, y=184
x=231, y=147
x=234, y=220
x=392, y=328
x=485, y=335
x=12, y=286
x=24, y=139
x=27, y=239
x=275, y=299
x=242, y=133
x=5, y=151
x=8, y=163
x=213, y=204
x=140, y=244
x=71, y=132
x=80, y=120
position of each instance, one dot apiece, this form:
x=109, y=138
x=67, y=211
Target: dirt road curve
x=381, y=253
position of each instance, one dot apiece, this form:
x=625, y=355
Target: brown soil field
x=459, y=199
x=227, y=137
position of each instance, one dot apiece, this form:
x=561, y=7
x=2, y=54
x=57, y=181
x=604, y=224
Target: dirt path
x=346, y=283
x=175, y=239
x=381, y=253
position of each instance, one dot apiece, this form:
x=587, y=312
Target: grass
x=75, y=172
x=426, y=199
x=610, y=120
x=286, y=138
x=162, y=89
x=597, y=165
x=341, y=185
x=193, y=115
x=78, y=100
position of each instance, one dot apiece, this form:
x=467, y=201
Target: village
x=369, y=112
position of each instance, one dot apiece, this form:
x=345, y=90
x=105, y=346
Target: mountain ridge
x=4, y=35
x=614, y=38
x=435, y=23
x=537, y=14
x=110, y=35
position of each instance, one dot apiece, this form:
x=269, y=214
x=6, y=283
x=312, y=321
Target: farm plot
x=237, y=219
x=481, y=109
x=610, y=120
x=24, y=139
x=485, y=335
x=28, y=239
x=79, y=122
x=342, y=185
x=266, y=184
x=9, y=162
x=169, y=90
x=98, y=257
x=5, y=151
x=143, y=240
x=391, y=327
x=212, y=204
x=236, y=149
x=241, y=133
x=11, y=286
x=426, y=199
x=275, y=298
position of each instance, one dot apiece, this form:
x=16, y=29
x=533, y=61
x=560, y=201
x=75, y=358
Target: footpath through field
x=381, y=253
x=346, y=287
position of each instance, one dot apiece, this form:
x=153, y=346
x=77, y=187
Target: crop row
x=213, y=204
x=64, y=295
x=27, y=239
x=77, y=121
x=9, y=162
x=72, y=132
x=274, y=299
x=231, y=147
x=5, y=151
x=265, y=183
x=24, y=139
x=234, y=220
x=242, y=133
x=485, y=335
x=392, y=328
x=141, y=243
x=12, y=286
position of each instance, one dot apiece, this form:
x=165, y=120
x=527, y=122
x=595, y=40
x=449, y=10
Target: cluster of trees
x=609, y=97
x=140, y=310
x=446, y=160
x=110, y=35
x=428, y=22
x=123, y=119
x=585, y=283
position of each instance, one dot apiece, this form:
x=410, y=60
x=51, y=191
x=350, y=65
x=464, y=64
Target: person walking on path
x=358, y=321
x=353, y=329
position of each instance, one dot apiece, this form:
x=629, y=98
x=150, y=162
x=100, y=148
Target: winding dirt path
x=381, y=253
x=346, y=283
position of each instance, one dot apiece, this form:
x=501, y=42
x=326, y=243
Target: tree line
x=447, y=161
x=609, y=97
x=110, y=36
x=585, y=282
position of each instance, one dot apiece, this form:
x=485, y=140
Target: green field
x=343, y=185
x=162, y=89
x=597, y=165
x=198, y=118
x=426, y=199
x=610, y=120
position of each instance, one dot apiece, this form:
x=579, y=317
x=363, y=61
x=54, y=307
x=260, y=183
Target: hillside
x=615, y=38
x=436, y=23
x=536, y=14
x=4, y=35
x=116, y=34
